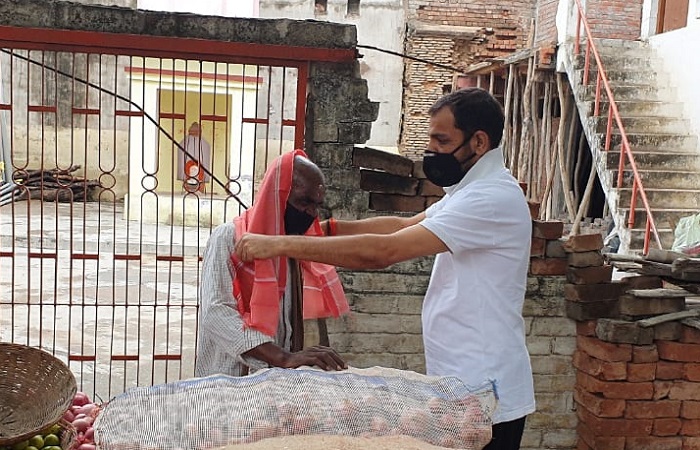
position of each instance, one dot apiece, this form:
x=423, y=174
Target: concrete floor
x=67, y=286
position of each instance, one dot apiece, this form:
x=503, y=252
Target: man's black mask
x=296, y=221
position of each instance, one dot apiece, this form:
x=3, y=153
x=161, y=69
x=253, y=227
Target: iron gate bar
x=156, y=46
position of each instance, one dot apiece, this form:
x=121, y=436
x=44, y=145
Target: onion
x=81, y=424
x=81, y=399
x=87, y=409
x=90, y=434
x=68, y=416
x=87, y=447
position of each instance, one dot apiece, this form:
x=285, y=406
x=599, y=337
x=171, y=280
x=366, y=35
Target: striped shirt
x=222, y=336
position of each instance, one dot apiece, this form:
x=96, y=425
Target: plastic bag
x=687, y=235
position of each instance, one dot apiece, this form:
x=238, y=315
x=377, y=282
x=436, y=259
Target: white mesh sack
x=210, y=412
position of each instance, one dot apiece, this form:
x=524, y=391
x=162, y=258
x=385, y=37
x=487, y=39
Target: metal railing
x=614, y=114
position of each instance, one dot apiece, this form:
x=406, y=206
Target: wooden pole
x=564, y=122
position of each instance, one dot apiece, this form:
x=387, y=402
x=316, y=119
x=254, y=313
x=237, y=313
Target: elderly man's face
x=305, y=199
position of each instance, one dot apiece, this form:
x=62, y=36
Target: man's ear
x=481, y=141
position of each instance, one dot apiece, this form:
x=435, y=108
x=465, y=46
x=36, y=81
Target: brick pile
x=637, y=381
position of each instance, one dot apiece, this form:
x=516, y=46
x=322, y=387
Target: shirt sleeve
x=467, y=221
x=219, y=316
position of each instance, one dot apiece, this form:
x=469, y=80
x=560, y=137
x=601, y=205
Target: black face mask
x=444, y=169
x=296, y=221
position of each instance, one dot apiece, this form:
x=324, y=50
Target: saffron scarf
x=259, y=285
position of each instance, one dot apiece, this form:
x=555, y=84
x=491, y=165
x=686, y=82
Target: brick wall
x=499, y=28
x=546, y=26
x=615, y=19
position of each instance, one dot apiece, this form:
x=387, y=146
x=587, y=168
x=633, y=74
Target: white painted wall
x=381, y=23
x=227, y=8
x=678, y=50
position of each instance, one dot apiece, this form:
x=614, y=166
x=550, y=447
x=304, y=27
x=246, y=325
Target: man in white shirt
x=480, y=231
x=189, y=169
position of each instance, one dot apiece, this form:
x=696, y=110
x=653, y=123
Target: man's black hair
x=474, y=109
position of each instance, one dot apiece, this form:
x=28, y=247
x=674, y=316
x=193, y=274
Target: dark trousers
x=507, y=435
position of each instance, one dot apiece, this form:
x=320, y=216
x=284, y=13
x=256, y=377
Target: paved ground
x=80, y=280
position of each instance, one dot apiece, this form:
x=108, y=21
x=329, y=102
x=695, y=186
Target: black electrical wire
x=121, y=97
x=412, y=58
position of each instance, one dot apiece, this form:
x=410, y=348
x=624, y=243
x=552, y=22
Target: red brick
x=691, y=443
x=666, y=370
x=534, y=209
x=616, y=427
x=592, y=292
x=642, y=282
x=548, y=266
x=645, y=354
x=604, y=350
x=655, y=443
x=583, y=243
x=662, y=389
x=585, y=259
x=603, y=370
x=555, y=249
x=684, y=390
x=691, y=371
x=690, y=409
x=589, y=310
x=389, y=202
x=641, y=372
x=615, y=389
x=690, y=335
x=537, y=247
x=666, y=427
x=598, y=405
x=677, y=351
x=653, y=409
x=550, y=230
x=586, y=328
x=589, y=275
x=690, y=427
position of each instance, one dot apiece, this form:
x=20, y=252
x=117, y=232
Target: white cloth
x=199, y=148
x=472, y=313
x=221, y=336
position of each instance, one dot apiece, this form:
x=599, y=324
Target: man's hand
x=324, y=357
x=255, y=246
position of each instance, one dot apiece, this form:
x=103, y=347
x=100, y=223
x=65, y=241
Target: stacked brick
x=394, y=183
x=551, y=341
x=637, y=379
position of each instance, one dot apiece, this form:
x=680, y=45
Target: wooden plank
x=658, y=293
x=650, y=322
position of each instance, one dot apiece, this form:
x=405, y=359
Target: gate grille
x=109, y=194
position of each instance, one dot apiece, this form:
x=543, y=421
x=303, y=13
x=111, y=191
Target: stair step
x=663, y=218
x=637, y=239
x=614, y=62
x=649, y=124
x=657, y=159
x=646, y=77
x=669, y=198
x=635, y=108
x=668, y=140
x=661, y=179
x=637, y=93
x=620, y=43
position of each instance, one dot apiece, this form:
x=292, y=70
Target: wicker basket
x=36, y=389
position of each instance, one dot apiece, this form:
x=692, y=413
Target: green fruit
x=31, y=447
x=50, y=440
x=52, y=447
x=55, y=429
x=20, y=445
x=36, y=441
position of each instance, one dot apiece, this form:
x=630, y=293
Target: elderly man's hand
x=255, y=246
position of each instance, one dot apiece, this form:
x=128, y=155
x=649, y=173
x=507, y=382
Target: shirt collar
x=491, y=162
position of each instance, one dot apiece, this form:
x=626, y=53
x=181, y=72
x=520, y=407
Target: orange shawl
x=259, y=285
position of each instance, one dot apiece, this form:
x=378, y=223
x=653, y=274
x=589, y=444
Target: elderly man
x=252, y=312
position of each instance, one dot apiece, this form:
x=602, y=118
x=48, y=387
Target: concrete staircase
x=664, y=149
